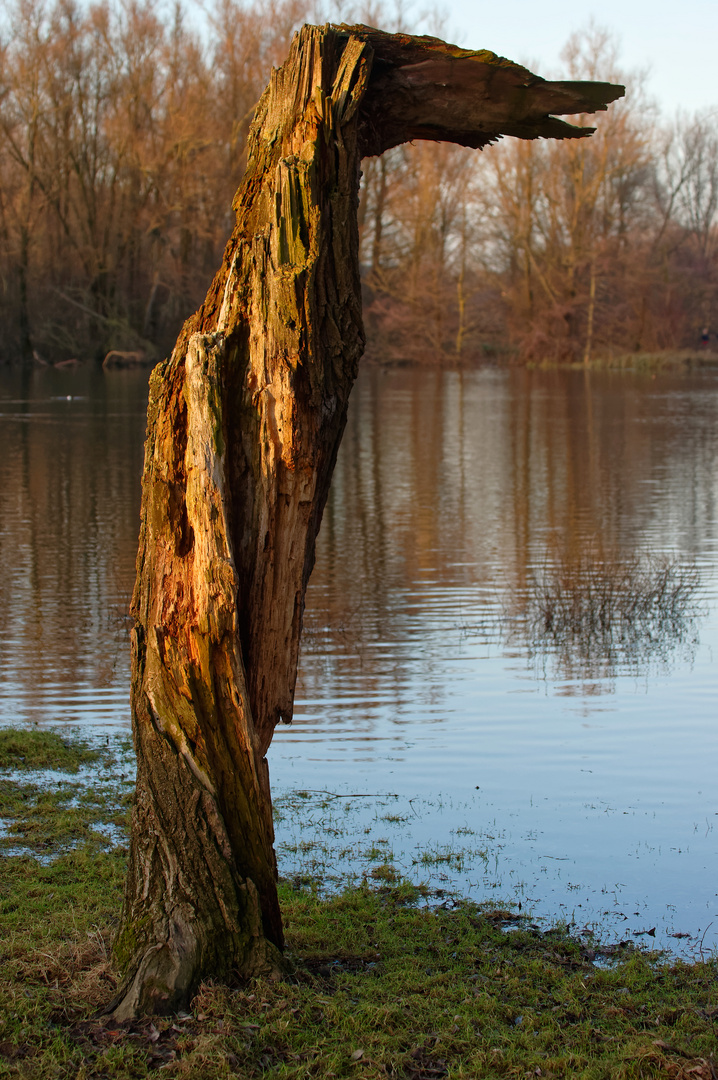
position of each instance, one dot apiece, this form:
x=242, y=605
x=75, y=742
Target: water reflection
x=70, y=461
x=581, y=763
x=462, y=499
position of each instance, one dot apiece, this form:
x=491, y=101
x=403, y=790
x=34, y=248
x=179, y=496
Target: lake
x=508, y=676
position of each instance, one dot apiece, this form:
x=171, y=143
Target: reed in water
x=595, y=609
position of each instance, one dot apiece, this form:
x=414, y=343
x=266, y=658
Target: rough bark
x=244, y=424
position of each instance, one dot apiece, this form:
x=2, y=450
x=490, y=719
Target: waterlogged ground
x=61, y=791
x=441, y=735
x=387, y=978
x=329, y=841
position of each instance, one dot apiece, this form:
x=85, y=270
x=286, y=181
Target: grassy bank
x=669, y=360
x=386, y=983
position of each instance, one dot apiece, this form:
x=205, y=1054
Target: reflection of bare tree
x=595, y=612
x=448, y=492
x=349, y=627
x=70, y=463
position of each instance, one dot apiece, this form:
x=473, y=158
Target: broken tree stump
x=244, y=424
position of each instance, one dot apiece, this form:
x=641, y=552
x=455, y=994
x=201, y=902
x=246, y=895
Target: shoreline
x=387, y=979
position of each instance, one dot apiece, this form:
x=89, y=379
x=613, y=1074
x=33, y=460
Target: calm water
x=576, y=776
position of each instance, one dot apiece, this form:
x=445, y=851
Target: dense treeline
x=549, y=250
x=122, y=144
x=122, y=138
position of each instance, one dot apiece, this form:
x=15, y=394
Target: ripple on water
x=587, y=782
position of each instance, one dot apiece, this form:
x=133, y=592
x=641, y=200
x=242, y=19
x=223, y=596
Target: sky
x=676, y=40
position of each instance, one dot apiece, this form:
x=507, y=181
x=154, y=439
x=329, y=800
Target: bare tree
x=566, y=227
x=123, y=138
x=698, y=193
x=122, y=142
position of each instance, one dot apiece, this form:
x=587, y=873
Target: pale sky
x=677, y=40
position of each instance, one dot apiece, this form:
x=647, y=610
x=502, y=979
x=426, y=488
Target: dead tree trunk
x=244, y=424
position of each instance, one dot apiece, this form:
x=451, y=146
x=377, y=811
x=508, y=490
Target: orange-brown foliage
x=122, y=142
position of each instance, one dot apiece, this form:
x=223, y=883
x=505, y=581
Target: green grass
x=23, y=748
x=41, y=821
x=44, y=815
x=385, y=984
x=668, y=360
x=650, y=363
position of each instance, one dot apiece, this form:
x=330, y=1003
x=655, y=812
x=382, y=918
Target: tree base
x=167, y=976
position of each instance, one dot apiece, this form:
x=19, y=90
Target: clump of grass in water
x=595, y=610
x=32, y=748
x=44, y=816
x=47, y=821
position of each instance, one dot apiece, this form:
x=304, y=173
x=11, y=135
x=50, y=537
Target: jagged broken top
x=425, y=88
